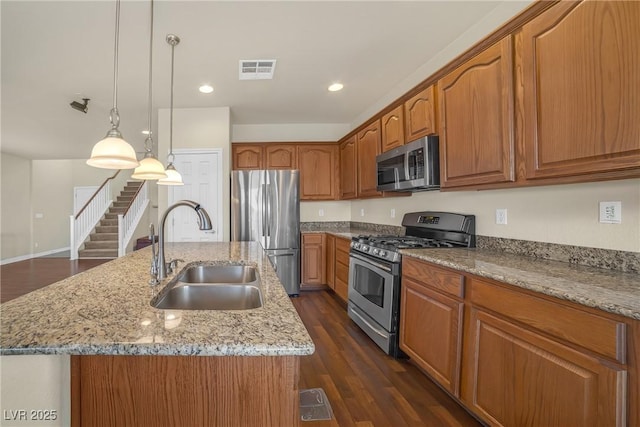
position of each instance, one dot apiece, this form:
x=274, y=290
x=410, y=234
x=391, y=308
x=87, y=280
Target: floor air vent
x=257, y=69
x=314, y=405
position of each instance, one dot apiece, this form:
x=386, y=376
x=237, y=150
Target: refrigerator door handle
x=263, y=208
x=275, y=266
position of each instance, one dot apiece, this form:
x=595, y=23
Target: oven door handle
x=372, y=262
x=373, y=328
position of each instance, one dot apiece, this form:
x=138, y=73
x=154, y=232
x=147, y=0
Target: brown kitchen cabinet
x=420, y=114
x=330, y=246
x=477, y=119
x=280, y=156
x=348, y=169
x=514, y=357
x=431, y=321
x=368, y=147
x=392, y=125
x=247, y=156
x=342, y=267
x=580, y=79
x=318, y=171
x=313, y=261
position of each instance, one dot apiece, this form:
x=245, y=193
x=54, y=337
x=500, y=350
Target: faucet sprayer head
x=204, y=222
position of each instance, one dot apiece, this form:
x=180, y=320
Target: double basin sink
x=212, y=287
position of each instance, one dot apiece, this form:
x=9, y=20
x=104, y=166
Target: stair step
x=127, y=199
x=117, y=209
x=120, y=204
x=98, y=253
x=101, y=244
x=107, y=229
x=103, y=237
x=134, y=183
x=130, y=189
x=111, y=216
x=111, y=221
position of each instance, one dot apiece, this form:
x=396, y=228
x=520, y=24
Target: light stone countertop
x=607, y=290
x=106, y=310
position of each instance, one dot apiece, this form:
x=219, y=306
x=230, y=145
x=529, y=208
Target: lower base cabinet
x=342, y=267
x=516, y=358
x=169, y=391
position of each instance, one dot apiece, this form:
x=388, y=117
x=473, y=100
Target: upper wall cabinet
x=581, y=82
x=280, y=156
x=247, y=156
x=420, y=114
x=318, y=171
x=348, y=169
x=368, y=144
x=393, y=129
x=477, y=119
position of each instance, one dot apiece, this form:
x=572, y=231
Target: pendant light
x=113, y=152
x=173, y=176
x=150, y=167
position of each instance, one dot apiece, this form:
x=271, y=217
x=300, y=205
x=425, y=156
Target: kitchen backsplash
x=628, y=262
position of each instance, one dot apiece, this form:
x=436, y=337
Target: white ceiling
x=54, y=52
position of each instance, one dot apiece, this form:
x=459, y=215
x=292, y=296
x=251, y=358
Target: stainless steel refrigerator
x=265, y=207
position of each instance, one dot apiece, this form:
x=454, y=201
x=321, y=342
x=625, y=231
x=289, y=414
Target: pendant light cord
x=173, y=41
x=150, y=99
x=114, y=116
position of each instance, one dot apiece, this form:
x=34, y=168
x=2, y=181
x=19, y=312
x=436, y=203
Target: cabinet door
x=431, y=332
x=393, y=129
x=477, y=119
x=279, y=156
x=331, y=260
x=313, y=260
x=247, y=156
x=348, y=169
x=368, y=149
x=581, y=71
x=342, y=268
x=317, y=164
x=420, y=114
x=516, y=377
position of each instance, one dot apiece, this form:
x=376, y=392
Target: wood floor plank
x=367, y=388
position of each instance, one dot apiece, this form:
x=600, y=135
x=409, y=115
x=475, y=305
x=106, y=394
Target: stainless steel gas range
x=375, y=270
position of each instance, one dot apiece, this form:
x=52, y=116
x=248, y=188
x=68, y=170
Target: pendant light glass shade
x=113, y=152
x=150, y=168
x=173, y=177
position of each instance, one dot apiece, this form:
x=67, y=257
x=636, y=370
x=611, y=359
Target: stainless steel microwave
x=411, y=167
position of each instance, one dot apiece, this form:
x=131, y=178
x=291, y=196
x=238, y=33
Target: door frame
x=217, y=220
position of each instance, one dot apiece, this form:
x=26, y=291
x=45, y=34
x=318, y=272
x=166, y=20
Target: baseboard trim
x=30, y=256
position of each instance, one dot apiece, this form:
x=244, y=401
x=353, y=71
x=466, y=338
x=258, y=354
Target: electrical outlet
x=320, y=212
x=501, y=216
x=36, y=244
x=610, y=212
x=393, y=213
x=39, y=215
x=361, y=212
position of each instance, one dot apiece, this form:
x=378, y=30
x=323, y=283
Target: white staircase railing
x=86, y=219
x=128, y=221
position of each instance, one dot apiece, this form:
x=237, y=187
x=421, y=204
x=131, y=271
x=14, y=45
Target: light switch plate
x=610, y=212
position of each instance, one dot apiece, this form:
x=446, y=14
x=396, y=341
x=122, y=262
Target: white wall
x=563, y=214
x=15, y=213
x=35, y=383
x=322, y=211
x=197, y=128
x=294, y=132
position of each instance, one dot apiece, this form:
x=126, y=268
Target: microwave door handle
x=407, y=156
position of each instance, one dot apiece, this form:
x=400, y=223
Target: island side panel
x=167, y=391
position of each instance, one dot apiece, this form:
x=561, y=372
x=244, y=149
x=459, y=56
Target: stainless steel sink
x=218, y=274
x=212, y=287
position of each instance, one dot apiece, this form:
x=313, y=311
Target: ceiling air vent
x=257, y=69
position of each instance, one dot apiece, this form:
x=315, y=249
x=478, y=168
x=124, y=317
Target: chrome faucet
x=163, y=269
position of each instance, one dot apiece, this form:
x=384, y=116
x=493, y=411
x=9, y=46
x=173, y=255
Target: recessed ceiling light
x=205, y=89
x=336, y=87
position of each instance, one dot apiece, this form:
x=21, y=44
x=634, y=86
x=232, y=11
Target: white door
x=81, y=196
x=201, y=172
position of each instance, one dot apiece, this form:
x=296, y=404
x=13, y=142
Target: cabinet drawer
x=342, y=289
x=312, y=239
x=445, y=281
x=600, y=335
x=342, y=251
x=342, y=272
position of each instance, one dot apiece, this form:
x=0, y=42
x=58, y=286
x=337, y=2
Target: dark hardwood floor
x=22, y=277
x=365, y=387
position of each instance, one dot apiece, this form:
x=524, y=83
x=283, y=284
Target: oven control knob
x=382, y=253
x=365, y=248
x=375, y=252
x=356, y=245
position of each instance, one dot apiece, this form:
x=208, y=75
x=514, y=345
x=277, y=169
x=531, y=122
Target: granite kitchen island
x=132, y=364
